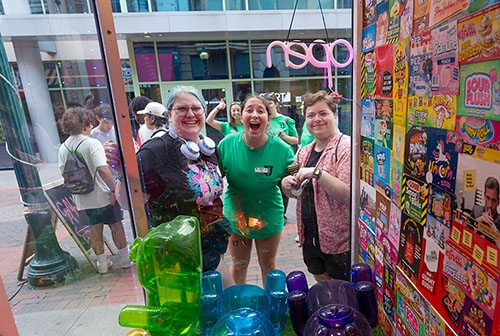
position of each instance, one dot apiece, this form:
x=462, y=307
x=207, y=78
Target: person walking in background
x=155, y=120
x=99, y=205
x=253, y=163
x=234, y=124
x=105, y=130
x=138, y=104
x=180, y=176
x=322, y=188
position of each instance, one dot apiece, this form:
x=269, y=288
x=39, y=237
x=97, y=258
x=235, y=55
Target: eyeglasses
x=181, y=111
x=321, y=114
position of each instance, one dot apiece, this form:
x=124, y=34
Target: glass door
x=213, y=92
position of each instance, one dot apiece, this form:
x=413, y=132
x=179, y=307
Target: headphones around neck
x=191, y=150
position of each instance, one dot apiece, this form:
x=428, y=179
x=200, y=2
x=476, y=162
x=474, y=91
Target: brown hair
x=259, y=97
x=232, y=122
x=310, y=99
x=76, y=119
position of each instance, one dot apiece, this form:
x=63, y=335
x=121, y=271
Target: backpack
x=76, y=174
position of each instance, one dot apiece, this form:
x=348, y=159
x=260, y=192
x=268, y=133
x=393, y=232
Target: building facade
x=218, y=46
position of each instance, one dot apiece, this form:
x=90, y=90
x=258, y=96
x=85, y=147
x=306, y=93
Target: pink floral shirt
x=333, y=217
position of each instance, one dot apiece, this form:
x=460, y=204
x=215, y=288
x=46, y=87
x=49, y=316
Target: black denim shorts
x=108, y=215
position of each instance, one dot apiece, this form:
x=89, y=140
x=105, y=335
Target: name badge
x=264, y=170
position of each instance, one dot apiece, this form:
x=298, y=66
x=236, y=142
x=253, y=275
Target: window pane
x=145, y=61
x=240, y=59
x=137, y=6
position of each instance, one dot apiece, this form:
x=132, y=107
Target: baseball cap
x=155, y=109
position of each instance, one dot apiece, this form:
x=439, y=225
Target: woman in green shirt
x=234, y=124
x=254, y=163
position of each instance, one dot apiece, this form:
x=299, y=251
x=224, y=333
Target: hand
x=304, y=174
x=221, y=106
x=487, y=219
x=113, y=198
x=289, y=182
x=113, y=158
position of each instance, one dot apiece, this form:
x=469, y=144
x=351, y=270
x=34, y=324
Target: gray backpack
x=76, y=174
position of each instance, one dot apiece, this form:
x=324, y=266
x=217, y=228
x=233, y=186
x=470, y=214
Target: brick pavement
x=88, y=289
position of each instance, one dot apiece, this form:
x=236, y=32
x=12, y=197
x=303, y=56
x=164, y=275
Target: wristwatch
x=317, y=173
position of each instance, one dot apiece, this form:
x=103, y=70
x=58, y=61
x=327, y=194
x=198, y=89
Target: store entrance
x=213, y=92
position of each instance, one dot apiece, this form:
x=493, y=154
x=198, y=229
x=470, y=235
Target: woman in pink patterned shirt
x=322, y=189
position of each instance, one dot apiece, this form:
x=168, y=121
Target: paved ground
x=90, y=303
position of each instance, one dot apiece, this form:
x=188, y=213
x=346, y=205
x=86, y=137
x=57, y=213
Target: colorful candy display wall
x=430, y=141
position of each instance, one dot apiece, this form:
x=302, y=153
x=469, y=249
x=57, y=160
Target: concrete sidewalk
x=90, y=303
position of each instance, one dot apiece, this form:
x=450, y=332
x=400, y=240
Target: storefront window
x=240, y=59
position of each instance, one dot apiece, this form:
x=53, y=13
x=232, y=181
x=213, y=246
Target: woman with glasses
x=254, y=163
x=322, y=189
x=234, y=124
x=179, y=175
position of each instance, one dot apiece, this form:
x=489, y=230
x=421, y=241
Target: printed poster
x=472, y=177
x=369, y=12
x=383, y=133
x=442, y=160
x=382, y=167
x=474, y=321
x=415, y=199
x=420, y=65
x=443, y=113
x=368, y=118
x=441, y=10
x=479, y=36
x=476, y=5
x=406, y=20
x=367, y=160
x=421, y=10
x=385, y=67
x=419, y=110
x=394, y=17
x=398, y=142
x=396, y=180
x=416, y=151
x=368, y=38
x=369, y=72
x=472, y=263
x=383, y=122
x=367, y=205
x=441, y=207
x=480, y=90
x=382, y=23
x=410, y=247
x=400, y=85
x=479, y=132
x=383, y=206
x=445, y=70
x=394, y=225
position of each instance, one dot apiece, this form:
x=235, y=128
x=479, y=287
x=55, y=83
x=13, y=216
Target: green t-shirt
x=281, y=123
x=305, y=138
x=252, y=201
x=226, y=128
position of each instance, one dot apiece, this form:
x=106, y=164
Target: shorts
x=108, y=215
x=337, y=266
x=214, y=243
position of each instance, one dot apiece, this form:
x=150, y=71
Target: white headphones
x=191, y=150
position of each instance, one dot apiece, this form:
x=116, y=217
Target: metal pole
x=50, y=264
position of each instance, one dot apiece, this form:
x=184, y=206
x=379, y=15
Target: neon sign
x=307, y=55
